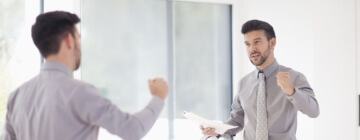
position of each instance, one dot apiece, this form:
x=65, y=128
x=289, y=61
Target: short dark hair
x=50, y=28
x=253, y=25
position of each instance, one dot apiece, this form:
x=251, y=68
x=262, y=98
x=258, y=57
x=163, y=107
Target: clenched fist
x=284, y=81
x=158, y=87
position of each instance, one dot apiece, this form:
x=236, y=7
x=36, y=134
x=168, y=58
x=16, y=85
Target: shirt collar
x=55, y=66
x=268, y=70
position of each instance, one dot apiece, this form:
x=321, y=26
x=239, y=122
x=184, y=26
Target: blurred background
x=198, y=47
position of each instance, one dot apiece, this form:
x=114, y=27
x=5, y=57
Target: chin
x=77, y=66
x=256, y=63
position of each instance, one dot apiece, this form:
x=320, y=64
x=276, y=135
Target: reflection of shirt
x=54, y=106
x=281, y=108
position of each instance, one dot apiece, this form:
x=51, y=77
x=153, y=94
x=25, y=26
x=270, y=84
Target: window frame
x=237, y=53
x=236, y=50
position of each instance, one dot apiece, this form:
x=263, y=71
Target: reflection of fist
x=158, y=87
x=284, y=81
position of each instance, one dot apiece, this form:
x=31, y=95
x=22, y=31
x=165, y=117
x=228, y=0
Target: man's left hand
x=284, y=81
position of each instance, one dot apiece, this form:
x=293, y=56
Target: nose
x=252, y=48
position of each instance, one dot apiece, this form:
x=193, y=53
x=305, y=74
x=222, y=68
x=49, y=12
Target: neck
x=58, y=59
x=267, y=63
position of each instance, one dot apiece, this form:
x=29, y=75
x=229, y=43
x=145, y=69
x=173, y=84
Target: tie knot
x=261, y=75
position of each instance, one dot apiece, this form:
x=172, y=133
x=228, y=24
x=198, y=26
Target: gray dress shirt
x=55, y=106
x=281, y=108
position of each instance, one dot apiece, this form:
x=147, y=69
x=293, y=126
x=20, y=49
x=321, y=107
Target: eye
x=257, y=41
x=247, y=44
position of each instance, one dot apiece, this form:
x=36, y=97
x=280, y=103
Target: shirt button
x=290, y=99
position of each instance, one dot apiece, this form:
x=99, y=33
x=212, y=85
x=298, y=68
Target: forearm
x=137, y=125
x=125, y=125
x=149, y=115
x=304, y=100
x=236, y=119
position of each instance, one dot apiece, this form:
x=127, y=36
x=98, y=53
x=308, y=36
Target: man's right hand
x=208, y=131
x=159, y=87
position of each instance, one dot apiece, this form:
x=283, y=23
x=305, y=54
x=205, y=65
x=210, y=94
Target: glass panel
x=72, y=6
x=124, y=44
x=63, y=5
x=19, y=58
x=203, y=64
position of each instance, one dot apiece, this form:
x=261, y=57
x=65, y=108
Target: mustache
x=255, y=52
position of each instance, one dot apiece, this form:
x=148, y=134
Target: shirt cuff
x=297, y=96
x=156, y=103
x=226, y=136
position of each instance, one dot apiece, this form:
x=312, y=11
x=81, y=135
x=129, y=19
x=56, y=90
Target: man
x=268, y=98
x=54, y=106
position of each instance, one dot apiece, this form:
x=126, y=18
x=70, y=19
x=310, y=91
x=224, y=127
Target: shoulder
x=23, y=87
x=296, y=76
x=20, y=92
x=74, y=89
x=247, y=78
x=85, y=95
x=83, y=87
x=290, y=70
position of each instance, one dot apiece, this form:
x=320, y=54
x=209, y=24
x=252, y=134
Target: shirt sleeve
x=304, y=98
x=236, y=117
x=99, y=111
x=9, y=133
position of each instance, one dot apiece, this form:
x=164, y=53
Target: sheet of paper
x=220, y=127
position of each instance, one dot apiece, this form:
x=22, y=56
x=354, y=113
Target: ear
x=273, y=42
x=68, y=40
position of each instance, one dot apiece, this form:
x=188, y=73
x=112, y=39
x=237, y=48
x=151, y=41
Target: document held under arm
x=220, y=128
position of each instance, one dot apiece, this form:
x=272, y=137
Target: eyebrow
x=254, y=40
x=257, y=38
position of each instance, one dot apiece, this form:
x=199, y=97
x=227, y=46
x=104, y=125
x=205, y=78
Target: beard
x=77, y=64
x=77, y=55
x=263, y=57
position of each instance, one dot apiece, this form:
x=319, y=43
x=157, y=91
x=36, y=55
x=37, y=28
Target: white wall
x=317, y=38
x=335, y=37
x=358, y=54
